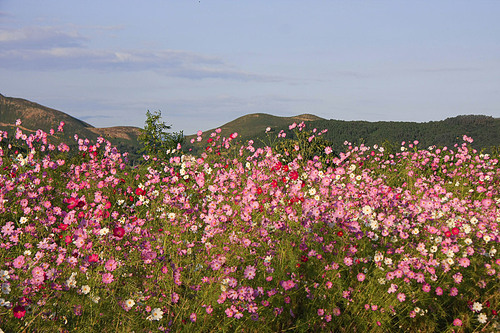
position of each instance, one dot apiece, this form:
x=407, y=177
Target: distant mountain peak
x=35, y=116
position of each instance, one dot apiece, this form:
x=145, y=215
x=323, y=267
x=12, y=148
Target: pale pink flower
x=107, y=278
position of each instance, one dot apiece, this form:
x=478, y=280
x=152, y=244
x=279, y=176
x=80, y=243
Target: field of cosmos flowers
x=237, y=240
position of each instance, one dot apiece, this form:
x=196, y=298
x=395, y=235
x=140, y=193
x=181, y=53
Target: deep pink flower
x=19, y=311
x=118, y=232
x=93, y=258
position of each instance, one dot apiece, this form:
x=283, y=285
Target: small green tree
x=155, y=139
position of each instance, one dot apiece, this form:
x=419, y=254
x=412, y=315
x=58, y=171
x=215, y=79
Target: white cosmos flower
x=156, y=314
x=367, y=210
x=129, y=303
x=85, y=289
x=477, y=306
x=103, y=231
x=6, y=288
x=4, y=275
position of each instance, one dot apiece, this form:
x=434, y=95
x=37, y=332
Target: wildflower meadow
x=247, y=239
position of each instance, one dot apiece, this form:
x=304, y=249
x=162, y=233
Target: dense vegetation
x=247, y=239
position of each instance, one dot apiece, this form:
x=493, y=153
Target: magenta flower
x=457, y=322
x=93, y=258
x=19, y=311
x=118, y=232
x=361, y=277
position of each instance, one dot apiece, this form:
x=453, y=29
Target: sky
x=205, y=63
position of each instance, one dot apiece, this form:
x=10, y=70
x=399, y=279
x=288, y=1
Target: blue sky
x=204, y=63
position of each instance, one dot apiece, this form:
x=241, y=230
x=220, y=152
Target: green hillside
x=485, y=130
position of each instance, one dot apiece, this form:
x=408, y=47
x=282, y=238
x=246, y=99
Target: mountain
x=35, y=116
x=254, y=125
x=485, y=130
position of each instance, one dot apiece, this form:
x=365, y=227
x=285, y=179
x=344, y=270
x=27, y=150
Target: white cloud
x=52, y=49
x=39, y=38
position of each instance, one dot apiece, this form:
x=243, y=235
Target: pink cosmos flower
x=175, y=298
x=229, y=312
x=37, y=272
x=107, y=278
x=401, y=297
x=361, y=277
x=457, y=322
x=464, y=262
x=8, y=228
x=287, y=284
x=457, y=278
x=79, y=242
x=348, y=261
x=249, y=272
x=392, y=288
x=18, y=262
x=110, y=265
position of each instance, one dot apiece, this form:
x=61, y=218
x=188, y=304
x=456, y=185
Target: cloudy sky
x=204, y=63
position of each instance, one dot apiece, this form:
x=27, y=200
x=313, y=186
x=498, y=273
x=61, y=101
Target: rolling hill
x=485, y=130
x=35, y=116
